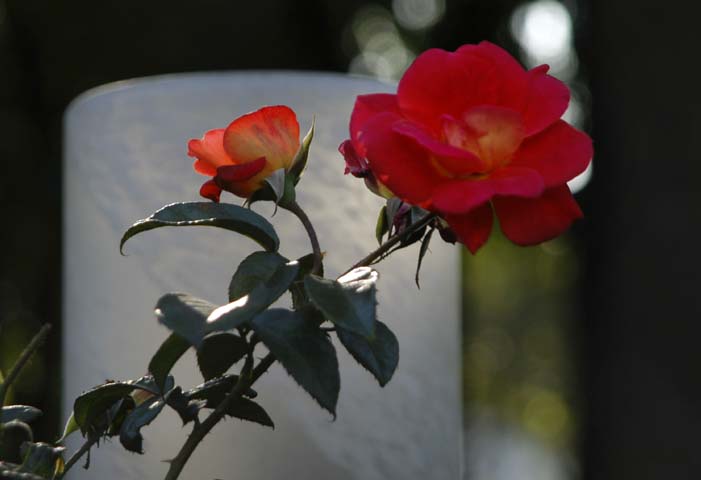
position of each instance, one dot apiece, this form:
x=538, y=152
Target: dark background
x=637, y=323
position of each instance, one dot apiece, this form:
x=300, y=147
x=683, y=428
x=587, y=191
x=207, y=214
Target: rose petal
x=209, y=152
x=365, y=107
x=461, y=196
x=457, y=161
x=531, y=221
x=559, y=153
x=440, y=82
x=244, y=179
x=547, y=100
x=398, y=162
x=271, y=132
x=355, y=164
x=473, y=228
x=210, y=190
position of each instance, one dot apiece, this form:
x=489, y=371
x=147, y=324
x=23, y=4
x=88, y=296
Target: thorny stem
x=85, y=448
x=250, y=375
x=247, y=378
x=22, y=361
x=297, y=210
x=391, y=242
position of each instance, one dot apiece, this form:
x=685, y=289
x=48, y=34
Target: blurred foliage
x=517, y=358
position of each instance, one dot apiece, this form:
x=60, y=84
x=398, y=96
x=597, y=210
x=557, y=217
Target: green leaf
x=258, y=267
x=12, y=435
x=186, y=408
x=219, y=352
x=90, y=407
x=222, y=215
x=130, y=433
x=168, y=353
x=213, y=391
x=260, y=297
x=392, y=208
x=41, y=459
x=304, y=351
x=246, y=409
x=299, y=163
x=185, y=315
x=23, y=413
x=382, y=226
x=71, y=426
x=422, y=252
x=350, y=302
x=299, y=294
x=379, y=356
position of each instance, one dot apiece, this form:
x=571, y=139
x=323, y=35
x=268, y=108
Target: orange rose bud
x=240, y=157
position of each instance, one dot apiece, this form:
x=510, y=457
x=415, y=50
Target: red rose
x=472, y=131
x=242, y=156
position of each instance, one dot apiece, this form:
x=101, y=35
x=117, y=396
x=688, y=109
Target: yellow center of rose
x=493, y=134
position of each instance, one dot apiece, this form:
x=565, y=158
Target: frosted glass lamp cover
x=125, y=157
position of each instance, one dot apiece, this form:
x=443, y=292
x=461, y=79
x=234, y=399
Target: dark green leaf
x=130, y=433
x=258, y=267
x=185, y=315
x=40, y=459
x=90, y=407
x=246, y=409
x=238, y=312
x=379, y=356
x=299, y=294
x=23, y=413
x=349, y=302
x=168, y=353
x=12, y=435
x=304, y=351
x=422, y=252
x=382, y=226
x=222, y=215
x=213, y=391
x=219, y=352
x=299, y=163
x=392, y=208
x=185, y=407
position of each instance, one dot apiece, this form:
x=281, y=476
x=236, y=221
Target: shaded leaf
x=12, y=435
x=299, y=163
x=163, y=360
x=422, y=252
x=219, y=352
x=222, y=215
x=349, y=302
x=380, y=355
x=240, y=311
x=246, y=409
x=299, y=294
x=185, y=315
x=185, y=407
x=23, y=413
x=382, y=226
x=304, y=351
x=90, y=407
x=256, y=268
x=213, y=391
x=41, y=459
x=130, y=432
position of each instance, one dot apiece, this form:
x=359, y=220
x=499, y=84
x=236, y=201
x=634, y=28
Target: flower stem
x=391, y=242
x=24, y=357
x=299, y=213
x=93, y=438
